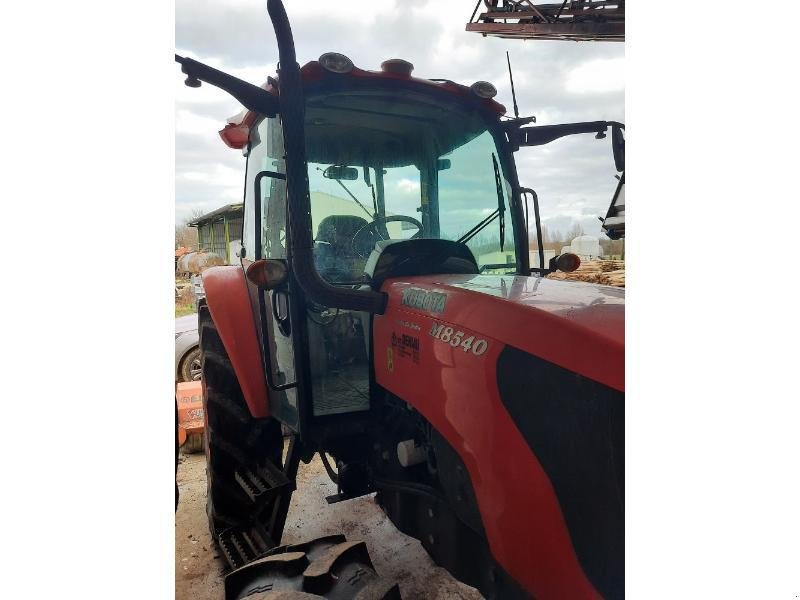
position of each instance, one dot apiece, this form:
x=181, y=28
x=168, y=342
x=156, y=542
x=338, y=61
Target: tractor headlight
x=336, y=63
x=483, y=89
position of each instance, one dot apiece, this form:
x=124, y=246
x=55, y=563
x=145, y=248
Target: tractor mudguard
x=228, y=301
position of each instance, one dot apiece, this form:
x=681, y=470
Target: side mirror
x=267, y=273
x=566, y=263
x=345, y=173
x=251, y=96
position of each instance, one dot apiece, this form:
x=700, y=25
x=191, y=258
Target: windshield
x=397, y=166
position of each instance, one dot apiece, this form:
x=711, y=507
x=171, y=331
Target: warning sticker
x=406, y=346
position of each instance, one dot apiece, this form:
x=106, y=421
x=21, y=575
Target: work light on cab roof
x=483, y=89
x=336, y=63
x=398, y=66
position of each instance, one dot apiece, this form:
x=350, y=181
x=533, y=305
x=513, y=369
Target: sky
x=556, y=82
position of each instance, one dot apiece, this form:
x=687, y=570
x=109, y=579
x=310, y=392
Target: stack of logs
x=604, y=272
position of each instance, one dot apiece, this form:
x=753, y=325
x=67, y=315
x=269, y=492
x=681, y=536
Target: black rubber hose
x=419, y=489
x=409, y=487
x=331, y=473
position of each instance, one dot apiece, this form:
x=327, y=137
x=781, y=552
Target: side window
x=266, y=154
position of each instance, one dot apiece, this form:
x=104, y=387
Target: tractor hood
x=578, y=326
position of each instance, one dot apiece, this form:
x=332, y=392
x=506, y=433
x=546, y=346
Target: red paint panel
x=456, y=391
x=229, y=303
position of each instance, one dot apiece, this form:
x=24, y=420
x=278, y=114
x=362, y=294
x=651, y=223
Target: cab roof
x=236, y=133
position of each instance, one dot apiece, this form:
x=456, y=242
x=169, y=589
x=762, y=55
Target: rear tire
x=234, y=439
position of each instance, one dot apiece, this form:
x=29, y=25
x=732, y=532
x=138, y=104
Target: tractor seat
x=334, y=255
x=338, y=230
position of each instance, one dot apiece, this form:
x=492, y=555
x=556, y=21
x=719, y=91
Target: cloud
x=408, y=186
x=597, y=76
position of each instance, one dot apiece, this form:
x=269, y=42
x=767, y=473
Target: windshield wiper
x=471, y=233
x=349, y=193
x=345, y=188
x=501, y=202
x=500, y=212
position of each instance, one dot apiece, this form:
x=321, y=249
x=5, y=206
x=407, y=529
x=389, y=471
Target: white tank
x=533, y=256
x=586, y=246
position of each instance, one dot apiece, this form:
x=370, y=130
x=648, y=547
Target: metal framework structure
x=575, y=20
x=216, y=229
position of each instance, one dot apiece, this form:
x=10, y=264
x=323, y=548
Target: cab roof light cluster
x=336, y=63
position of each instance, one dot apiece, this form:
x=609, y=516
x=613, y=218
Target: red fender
x=229, y=303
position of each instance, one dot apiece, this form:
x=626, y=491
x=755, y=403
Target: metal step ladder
x=269, y=490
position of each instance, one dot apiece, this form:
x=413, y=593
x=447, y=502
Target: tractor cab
x=404, y=175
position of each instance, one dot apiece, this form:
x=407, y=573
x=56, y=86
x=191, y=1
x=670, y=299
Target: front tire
x=329, y=567
x=234, y=439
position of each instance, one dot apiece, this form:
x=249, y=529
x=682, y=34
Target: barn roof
x=214, y=214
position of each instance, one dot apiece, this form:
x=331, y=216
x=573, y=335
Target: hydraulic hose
x=331, y=473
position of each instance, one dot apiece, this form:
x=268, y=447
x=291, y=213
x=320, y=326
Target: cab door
x=264, y=236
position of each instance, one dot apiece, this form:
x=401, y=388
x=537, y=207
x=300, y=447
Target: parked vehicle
x=187, y=349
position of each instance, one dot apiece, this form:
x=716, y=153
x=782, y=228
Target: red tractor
x=385, y=315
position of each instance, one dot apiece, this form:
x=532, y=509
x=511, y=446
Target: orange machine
x=189, y=395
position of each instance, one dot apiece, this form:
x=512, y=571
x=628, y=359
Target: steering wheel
x=372, y=229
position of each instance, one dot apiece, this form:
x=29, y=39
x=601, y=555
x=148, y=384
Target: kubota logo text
x=424, y=300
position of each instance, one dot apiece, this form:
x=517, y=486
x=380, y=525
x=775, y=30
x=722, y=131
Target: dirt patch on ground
x=199, y=567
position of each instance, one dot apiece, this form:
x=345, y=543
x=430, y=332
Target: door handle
x=280, y=310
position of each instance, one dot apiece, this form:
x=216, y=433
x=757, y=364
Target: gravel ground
x=198, y=565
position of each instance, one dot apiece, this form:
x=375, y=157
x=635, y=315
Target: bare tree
x=612, y=248
x=186, y=236
x=574, y=231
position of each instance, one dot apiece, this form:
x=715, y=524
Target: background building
x=220, y=231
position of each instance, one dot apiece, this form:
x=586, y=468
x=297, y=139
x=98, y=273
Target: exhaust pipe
x=301, y=242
